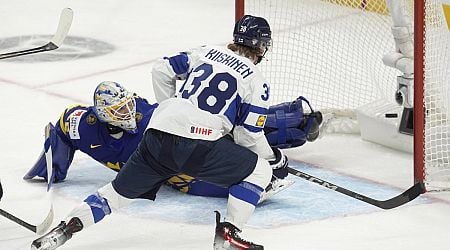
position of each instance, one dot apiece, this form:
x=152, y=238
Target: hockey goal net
x=331, y=51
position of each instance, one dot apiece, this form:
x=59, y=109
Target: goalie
x=111, y=129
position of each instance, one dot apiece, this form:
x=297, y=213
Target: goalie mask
x=116, y=106
x=253, y=32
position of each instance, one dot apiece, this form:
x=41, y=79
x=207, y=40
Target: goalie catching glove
x=288, y=126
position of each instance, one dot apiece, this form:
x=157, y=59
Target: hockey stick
x=39, y=229
x=65, y=21
x=407, y=196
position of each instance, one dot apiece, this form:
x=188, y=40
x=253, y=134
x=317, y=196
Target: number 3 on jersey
x=213, y=98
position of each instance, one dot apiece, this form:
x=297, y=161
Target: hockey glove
x=279, y=164
x=288, y=126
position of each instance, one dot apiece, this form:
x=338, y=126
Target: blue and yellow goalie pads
x=189, y=185
x=61, y=158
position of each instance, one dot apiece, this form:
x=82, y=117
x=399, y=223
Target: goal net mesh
x=330, y=51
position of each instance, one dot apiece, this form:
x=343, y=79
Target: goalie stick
x=39, y=229
x=65, y=21
x=407, y=196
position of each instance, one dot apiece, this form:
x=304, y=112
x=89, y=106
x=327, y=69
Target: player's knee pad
x=288, y=126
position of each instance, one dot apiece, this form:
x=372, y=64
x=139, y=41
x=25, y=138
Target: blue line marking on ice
x=302, y=202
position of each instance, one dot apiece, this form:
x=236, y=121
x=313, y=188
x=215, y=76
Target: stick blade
x=407, y=196
x=43, y=227
x=65, y=21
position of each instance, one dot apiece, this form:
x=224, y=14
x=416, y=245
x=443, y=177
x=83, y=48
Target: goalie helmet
x=253, y=32
x=116, y=106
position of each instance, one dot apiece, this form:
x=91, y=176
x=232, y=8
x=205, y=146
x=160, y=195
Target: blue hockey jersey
x=79, y=129
x=79, y=122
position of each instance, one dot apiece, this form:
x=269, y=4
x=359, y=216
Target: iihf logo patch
x=201, y=131
x=261, y=121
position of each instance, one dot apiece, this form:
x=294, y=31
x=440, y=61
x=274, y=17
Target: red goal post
x=419, y=105
x=332, y=52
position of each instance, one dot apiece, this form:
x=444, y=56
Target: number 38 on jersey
x=216, y=92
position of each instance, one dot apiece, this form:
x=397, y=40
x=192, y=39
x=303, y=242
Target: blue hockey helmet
x=253, y=32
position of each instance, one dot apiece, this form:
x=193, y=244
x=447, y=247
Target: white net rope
x=327, y=52
x=437, y=97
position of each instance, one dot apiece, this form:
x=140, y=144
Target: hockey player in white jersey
x=225, y=82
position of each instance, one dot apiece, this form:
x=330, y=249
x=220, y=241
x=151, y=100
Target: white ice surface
x=33, y=93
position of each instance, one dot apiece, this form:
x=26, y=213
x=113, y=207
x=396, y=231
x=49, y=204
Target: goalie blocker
x=288, y=126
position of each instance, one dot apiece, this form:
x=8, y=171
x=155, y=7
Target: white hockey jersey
x=180, y=117
x=223, y=83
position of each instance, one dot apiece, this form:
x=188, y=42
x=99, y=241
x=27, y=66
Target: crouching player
x=111, y=129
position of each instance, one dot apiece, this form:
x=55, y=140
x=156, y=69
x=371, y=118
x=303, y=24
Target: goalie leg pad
x=187, y=184
x=201, y=188
x=62, y=156
x=38, y=169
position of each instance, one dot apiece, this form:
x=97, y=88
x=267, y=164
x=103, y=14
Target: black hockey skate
x=227, y=237
x=58, y=236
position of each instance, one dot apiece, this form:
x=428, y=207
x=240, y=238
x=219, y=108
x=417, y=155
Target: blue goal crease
x=303, y=202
